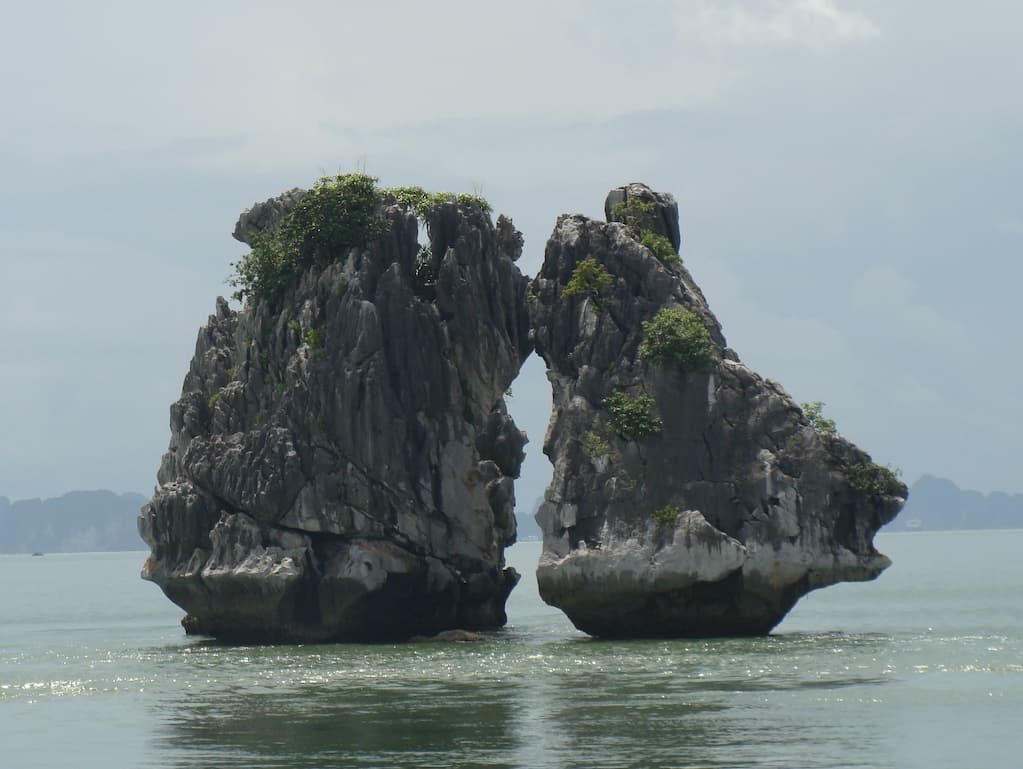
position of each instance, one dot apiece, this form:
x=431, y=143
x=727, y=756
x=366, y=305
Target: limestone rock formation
x=341, y=461
x=690, y=496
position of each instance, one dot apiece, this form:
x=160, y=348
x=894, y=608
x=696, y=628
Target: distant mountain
x=75, y=522
x=526, y=523
x=937, y=504
x=103, y=521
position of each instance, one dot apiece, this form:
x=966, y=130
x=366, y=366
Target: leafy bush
x=589, y=278
x=338, y=213
x=666, y=516
x=659, y=246
x=643, y=218
x=676, y=337
x=813, y=413
x=315, y=338
x=414, y=198
x=633, y=418
x=873, y=479
x=596, y=445
x=419, y=201
x=635, y=213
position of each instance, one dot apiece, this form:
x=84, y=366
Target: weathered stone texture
x=341, y=461
x=767, y=509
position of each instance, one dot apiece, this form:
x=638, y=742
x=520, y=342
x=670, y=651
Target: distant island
x=937, y=504
x=103, y=521
x=79, y=521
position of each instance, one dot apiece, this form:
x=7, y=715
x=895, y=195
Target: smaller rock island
x=690, y=496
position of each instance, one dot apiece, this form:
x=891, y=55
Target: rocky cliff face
x=690, y=496
x=341, y=461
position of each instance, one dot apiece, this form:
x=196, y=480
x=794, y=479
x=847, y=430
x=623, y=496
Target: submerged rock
x=449, y=636
x=690, y=496
x=341, y=460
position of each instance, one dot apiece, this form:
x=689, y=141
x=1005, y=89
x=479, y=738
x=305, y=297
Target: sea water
x=921, y=668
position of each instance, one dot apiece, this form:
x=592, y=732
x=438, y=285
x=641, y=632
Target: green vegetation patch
x=636, y=213
x=589, y=278
x=633, y=417
x=873, y=479
x=813, y=412
x=316, y=338
x=677, y=337
x=659, y=246
x=666, y=516
x=338, y=213
x=642, y=217
x=419, y=201
x=596, y=445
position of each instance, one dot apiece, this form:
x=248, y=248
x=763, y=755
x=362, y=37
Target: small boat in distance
x=34, y=554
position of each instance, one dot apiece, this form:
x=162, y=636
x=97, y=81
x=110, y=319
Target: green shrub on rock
x=659, y=246
x=666, y=516
x=813, y=412
x=633, y=418
x=874, y=479
x=315, y=338
x=676, y=337
x=589, y=278
x=641, y=216
x=338, y=213
x=419, y=201
x=596, y=445
x=635, y=213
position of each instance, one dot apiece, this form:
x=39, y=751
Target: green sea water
x=922, y=668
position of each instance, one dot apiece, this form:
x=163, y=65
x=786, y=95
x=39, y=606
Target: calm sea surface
x=922, y=668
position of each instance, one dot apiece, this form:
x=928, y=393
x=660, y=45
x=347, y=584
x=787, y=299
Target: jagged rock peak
x=266, y=216
x=664, y=218
x=690, y=496
x=341, y=459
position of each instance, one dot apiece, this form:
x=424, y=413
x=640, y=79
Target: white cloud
x=818, y=25
x=298, y=86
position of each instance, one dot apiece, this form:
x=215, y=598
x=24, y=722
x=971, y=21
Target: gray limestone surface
x=724, y=514
x=341, y=461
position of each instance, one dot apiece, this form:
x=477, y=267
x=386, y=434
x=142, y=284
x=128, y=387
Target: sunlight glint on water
x=922, y=668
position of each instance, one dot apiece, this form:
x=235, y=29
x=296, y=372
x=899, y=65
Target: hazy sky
x=848, y=176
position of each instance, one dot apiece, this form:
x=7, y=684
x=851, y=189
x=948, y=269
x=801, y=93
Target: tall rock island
x=341, y=460
x=690, y=496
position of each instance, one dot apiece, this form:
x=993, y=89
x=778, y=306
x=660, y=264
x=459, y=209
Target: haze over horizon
x=847, y=176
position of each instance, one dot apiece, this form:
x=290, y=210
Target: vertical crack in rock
x=341, y=459
x=690, y=497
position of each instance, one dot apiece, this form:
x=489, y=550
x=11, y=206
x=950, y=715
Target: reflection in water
x=921, y=670
x=576, y=703
x=329, y=725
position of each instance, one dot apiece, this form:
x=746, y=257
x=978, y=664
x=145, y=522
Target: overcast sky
x=848, y=176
